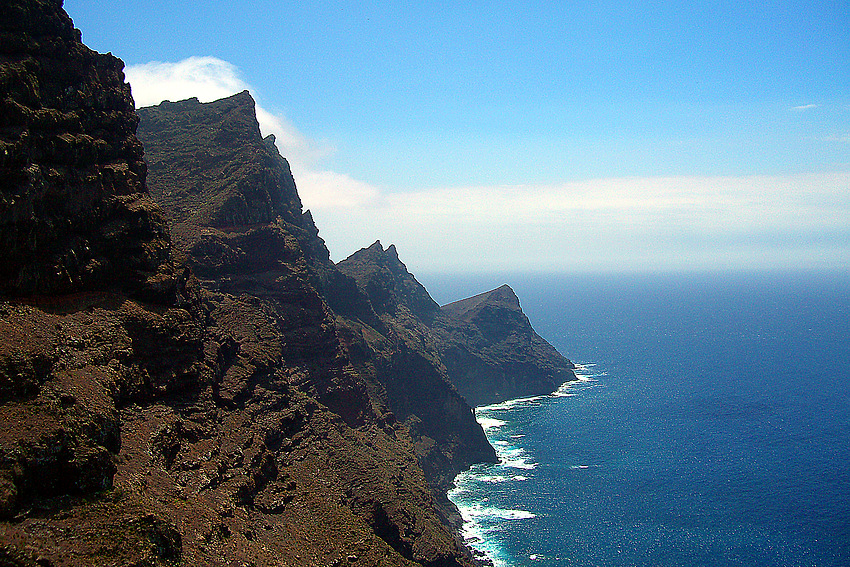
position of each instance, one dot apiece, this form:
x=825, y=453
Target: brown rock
x=493, y=354
x=74, y=211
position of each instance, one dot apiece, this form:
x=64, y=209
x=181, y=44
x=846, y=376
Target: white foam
x=521, y=464
x=508, y=404
x=494, y=479
x=490, y=423
x=477, y=523
x=560, y=394
x=583, y=377
x=477, y=511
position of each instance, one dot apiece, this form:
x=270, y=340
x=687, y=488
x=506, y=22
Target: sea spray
x=485, y=509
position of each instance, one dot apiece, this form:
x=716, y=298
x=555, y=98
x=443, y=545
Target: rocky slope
x=370, y=329
x=407, y=362
x=226, y=397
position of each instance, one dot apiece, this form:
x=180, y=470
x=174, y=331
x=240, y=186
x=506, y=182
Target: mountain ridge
x=185, y=376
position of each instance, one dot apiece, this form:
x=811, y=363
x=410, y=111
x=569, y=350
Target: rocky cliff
x=492, y=352
x=213, y=422
x=486, y=347
x=407, y=362
x=74, y=214
x=228, y=396
x=372, y=328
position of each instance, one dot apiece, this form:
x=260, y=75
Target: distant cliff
x=185, y=376
x=486, y=344
x=492, y=352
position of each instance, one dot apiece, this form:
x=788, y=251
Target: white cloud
x=331, y=190
x=804, y=107
x=209, y=79
x=610, y=224
x=667, y=223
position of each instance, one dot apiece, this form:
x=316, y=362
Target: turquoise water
x=711, y=426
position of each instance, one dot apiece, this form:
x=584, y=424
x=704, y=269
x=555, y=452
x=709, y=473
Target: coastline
x=464, y=523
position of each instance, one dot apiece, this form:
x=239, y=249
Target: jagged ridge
x=275, y=409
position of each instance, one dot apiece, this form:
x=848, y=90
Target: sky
x=571, y=137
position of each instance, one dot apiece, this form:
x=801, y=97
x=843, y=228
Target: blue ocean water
x=711, y=426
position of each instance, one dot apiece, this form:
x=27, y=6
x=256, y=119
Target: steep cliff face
x=406, y=360
x=74, y=212
x=364, y=341
x=234, y=210
x=210, y=167
x=493, y=354
x=484, y=346
x=215, y=422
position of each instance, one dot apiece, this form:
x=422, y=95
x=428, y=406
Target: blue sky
x=588, y=136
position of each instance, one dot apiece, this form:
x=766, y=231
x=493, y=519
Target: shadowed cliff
x=228, y=396
x=492, y=352
x=74, y=212
x=371, y=325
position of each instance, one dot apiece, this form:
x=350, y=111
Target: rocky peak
x=74, y=210
x=502, y=297
x=492, y=352
x=211, y=167
x=385, y=280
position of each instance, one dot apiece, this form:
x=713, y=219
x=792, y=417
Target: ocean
x=710, y=426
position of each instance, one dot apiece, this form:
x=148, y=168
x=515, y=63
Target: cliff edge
x=492, y=352
x=185, y=376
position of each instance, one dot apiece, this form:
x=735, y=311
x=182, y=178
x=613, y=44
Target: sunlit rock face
x=210, y=156
x=74, y=210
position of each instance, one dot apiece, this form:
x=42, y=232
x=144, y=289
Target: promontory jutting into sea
x=708, y=426
x=188, y=378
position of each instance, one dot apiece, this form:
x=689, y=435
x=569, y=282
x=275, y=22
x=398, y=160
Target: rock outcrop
x=74, y=212
x=405, y=357
x=492, y=352
x=228, y=396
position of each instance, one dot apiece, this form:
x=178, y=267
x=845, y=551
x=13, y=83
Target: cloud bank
x=624, y=224
x=631, y=224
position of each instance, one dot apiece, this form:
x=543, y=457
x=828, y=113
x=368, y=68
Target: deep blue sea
x=711, y=425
